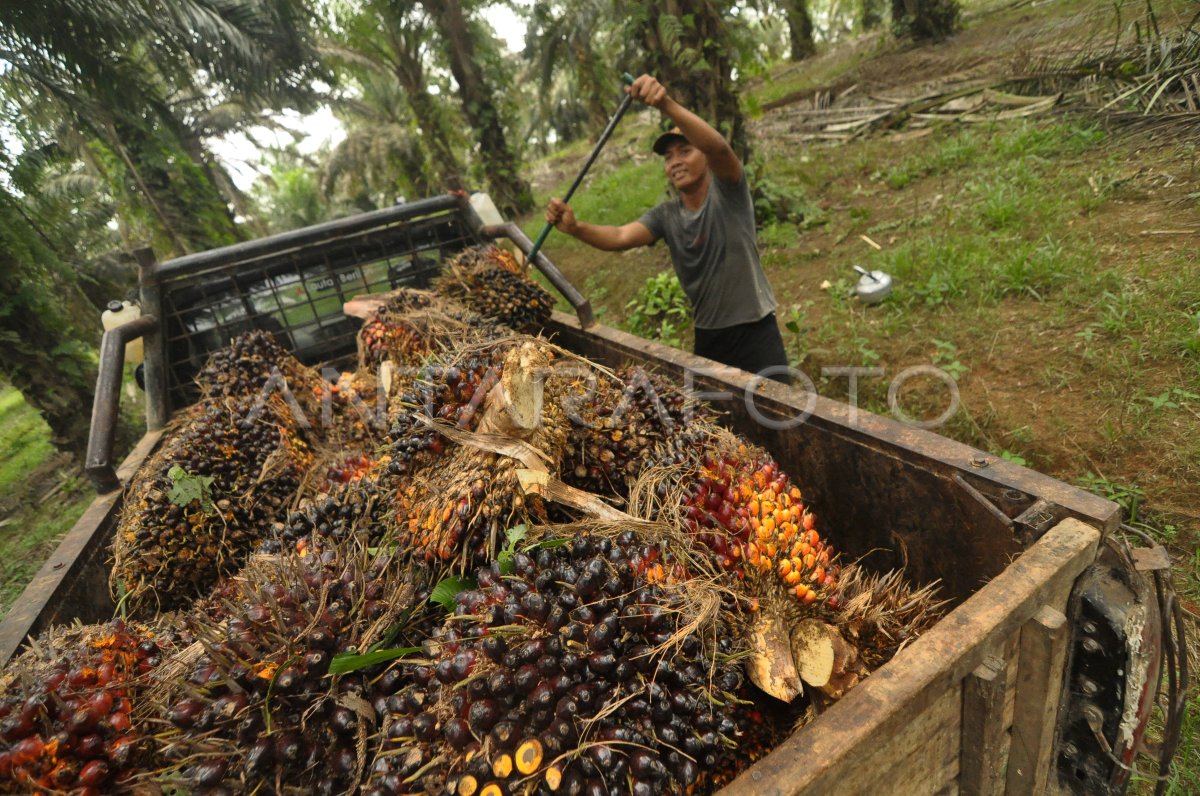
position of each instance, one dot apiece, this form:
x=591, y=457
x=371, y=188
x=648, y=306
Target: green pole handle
x=627, y=79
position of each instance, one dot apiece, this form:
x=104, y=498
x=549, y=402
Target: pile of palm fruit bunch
x=624, y=423
x=68, y=705
x=265, y=432
x=488, y=280
x=407, y=325
x=387, y=334
x=252, y=363
x=457, y=507
x=350, y=424
x=225, y=471
x=453, y=602
x=575, y=667
x=229, y=465
x=450, y=389
x=359, y=509
x=818, y=621
x=257, y=703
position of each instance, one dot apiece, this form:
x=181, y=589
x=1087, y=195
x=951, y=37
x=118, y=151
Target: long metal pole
x=608, y=131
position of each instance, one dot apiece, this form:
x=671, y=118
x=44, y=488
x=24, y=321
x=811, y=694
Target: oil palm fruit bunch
x=348, y=468
x=880, y=614
x=458, y=510
x=810, y=620
x=734, y=498
x=451, y=390
x=479, y=257
x=623, y=425
x=458, y=507
x=351, y=410
x=350, y=428
x=386, y=335
x=482, y=280
x=252, y=363
x=568, y=671
x=226, y=472
x=66, y=710
x=412, y=324
x=357, y=509
x=256, y=708
x=758, y=728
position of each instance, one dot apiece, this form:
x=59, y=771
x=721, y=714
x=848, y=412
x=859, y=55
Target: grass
x=24, y=438
x=1074, y=342
x=40, y=531
x=33, y=525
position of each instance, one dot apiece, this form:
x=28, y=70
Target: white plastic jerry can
x=120, y=313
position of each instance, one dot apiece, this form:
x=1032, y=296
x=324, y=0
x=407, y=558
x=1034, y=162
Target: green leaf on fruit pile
x=187, y=488
x=445, y=592
x=512, y=536
x=351, y=662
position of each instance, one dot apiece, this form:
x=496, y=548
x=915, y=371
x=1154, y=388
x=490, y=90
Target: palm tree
x=567, y=38
x=872, y=14
x=693, y=46
x=120, y=87
x=382, y=39
x=42, y=352
x=383, y=155
x=130, y=74
x=508, y=189
x=800, y=29
x=925, y=19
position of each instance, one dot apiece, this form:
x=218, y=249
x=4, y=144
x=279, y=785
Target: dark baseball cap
x=666, y=139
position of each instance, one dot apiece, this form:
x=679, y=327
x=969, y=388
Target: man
x=709, y=229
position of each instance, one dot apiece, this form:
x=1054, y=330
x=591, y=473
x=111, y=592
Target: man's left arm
x=722, y=160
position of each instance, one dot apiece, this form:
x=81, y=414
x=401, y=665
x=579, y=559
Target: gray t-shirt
x=715, y=253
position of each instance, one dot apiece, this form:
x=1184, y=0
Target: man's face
x=686, y=166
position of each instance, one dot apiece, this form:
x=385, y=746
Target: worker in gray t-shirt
x=709, y=229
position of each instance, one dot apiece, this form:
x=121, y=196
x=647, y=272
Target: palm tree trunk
x=225, y=191
x=925, y=19
x=192, y=211
x=872, y=14
x=588, y=71
x=58, y=384
x=800, y=29
x=164, y=222
x=411, y=73
x=42, y=354
x=508, y=189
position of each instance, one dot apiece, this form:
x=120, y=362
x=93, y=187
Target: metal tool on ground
x=873, y=286
x=627, y=79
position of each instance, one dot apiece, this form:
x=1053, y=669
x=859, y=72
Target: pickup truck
x=1061, y=642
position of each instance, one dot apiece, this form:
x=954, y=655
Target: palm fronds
x=1152, y=80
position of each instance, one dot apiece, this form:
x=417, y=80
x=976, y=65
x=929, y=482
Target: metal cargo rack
x=293, y=285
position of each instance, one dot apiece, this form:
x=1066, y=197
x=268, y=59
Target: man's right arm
x=599, y=236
